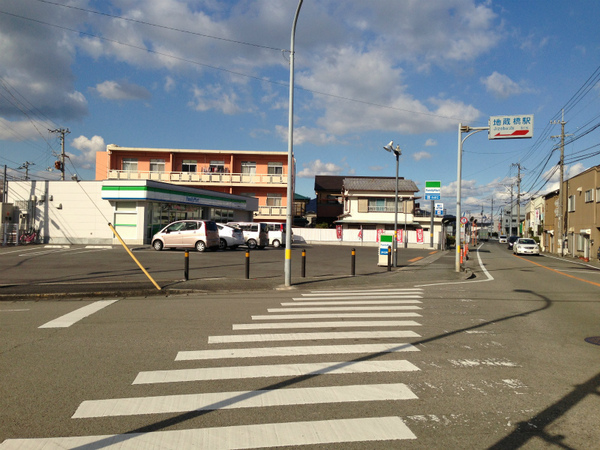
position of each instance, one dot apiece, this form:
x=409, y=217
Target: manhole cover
x=593, y=340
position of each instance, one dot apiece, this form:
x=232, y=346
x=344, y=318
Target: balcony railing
x=200, y=177
x=271, y=211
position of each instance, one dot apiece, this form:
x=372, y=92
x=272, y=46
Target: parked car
x=502, y=239
x=511, y=241
x=198, y=234
x=276, y=234
x=256, y=234
x=526, y=246
x=230, y=236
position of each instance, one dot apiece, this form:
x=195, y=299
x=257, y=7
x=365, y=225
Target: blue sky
x=208, y=74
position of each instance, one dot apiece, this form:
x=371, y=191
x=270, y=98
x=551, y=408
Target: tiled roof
x=379, y=184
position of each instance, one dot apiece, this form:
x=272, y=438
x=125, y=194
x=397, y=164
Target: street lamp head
x=389, y=147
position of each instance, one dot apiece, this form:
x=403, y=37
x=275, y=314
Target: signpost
x=433, y=191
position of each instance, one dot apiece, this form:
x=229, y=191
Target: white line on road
x=342, y=308
x=294, y=351
x=272, y=370
x=335, y=316
x=237, y=437
x=75, y=316
x=343, y=324
x=242, y=399
x=278, y=337
x=350, y=302
x=355, y=296
x=363, y=291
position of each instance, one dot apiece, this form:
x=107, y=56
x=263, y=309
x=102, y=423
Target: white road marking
x=336, y=316
x=343, y=324
x=242, y=399
x=13, y=310
x=344, y=308
x=348, y=297
x=294, y=351
x=363, y=291
x=272, y=370
x=236, y=437
x=350, y=302
x=277, y=337
x=75, y=316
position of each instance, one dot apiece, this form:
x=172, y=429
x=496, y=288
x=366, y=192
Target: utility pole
x=561, y=204
x=25, y=166
x=512, y=211
x=492, y=216
x=60, y=165
x=518, y=196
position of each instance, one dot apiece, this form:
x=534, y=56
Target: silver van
x=198, y=234
x=256, y=234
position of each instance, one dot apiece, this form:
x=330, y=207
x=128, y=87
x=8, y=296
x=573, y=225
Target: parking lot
x=44, y=270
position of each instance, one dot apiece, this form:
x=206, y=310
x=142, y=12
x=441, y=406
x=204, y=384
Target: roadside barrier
x=248, y=264
x=353, y=263
x=389, y=261
x=303, y=263
x=186, y=266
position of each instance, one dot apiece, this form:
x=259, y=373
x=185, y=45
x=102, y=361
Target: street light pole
x=290, y=181
x=397, y=152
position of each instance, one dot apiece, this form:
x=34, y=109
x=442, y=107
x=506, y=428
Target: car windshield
x=526, y=241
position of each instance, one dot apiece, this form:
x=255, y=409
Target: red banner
x=419, y=235
x=338, y=231
x=400, y=235
x=379, y=233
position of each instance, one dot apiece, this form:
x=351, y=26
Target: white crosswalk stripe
x=313, y=310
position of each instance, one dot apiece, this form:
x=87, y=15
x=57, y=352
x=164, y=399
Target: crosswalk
x=338, y=326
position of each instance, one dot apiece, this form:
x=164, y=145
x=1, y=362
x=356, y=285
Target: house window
x=275, y=168
x=597, y=195
x=249, y=167
x=189, y=165
x=571, y=203
x=157, y=165
x=273, y=199
x=589, y=196
x=130, y=164
x=381, y=205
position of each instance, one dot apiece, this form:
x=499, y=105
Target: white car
x=526, y=246
x=502, y=239
x=230, y=236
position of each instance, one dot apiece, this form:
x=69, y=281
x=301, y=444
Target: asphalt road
x=496, y=361
x=57, y=271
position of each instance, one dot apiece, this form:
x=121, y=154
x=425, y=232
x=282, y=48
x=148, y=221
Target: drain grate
x=593, y=340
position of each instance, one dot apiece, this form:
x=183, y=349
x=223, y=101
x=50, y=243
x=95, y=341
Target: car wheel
x=222, y=244
x=251, y=243
x=276, y=243
x=200, y=246
x=158, y=245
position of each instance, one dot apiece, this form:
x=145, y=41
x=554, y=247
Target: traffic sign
x=464, y=220
x=510, y=127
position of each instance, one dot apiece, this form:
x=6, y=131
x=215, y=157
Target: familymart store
x=142, y=207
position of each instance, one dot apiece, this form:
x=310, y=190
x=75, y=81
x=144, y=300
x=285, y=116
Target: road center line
x=558, y=271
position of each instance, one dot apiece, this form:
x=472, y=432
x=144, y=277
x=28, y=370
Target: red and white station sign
x=511, y=127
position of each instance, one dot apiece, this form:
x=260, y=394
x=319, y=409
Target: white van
x=276, y=234
x=256, y=234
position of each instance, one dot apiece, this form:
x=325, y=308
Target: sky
x=214, y=74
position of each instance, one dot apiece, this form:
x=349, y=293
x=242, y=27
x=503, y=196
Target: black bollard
x=303, y=263
x=389, y=267
x=186, y=266
x=248, y=264
x=353, y=265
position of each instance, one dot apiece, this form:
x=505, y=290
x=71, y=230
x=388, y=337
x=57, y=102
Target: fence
x=352, y=237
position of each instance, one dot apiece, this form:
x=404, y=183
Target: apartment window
x=273, y=199
x=157, y=165
x=275, y=168
x=249, y=167
x=597, y=195
x=130, y=164
x=217, y=166
x=571, y=203
x=189, y=165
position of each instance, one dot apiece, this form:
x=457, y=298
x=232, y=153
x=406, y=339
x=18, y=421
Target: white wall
x=66, y=212
x=350, y=237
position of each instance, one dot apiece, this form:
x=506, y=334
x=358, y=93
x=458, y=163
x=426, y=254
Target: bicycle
x=28, y=237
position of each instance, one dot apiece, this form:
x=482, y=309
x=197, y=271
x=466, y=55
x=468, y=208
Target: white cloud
x=421, y=155
x=215, y=97
x=121, y=90
x=431, y=143
x=88, y=149
x=169, y=84
x=501, y=86
x=306, y=135
x=317, y=167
